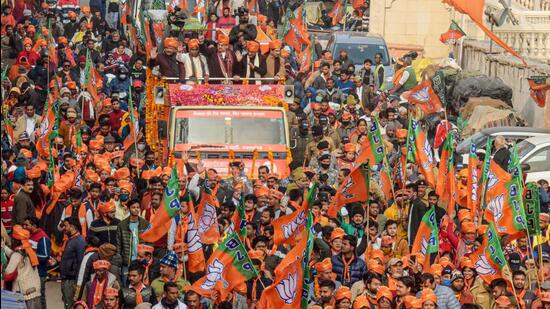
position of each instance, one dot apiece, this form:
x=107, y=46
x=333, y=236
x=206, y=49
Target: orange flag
x=489, y=259
x=287, y=228
x=353, y=189
x=474, y=9
x=196, y=261
x=502, y=206
x=208, y=220
x=472, y=199
x=286, y=290
x=228, y=267
x=424, y=96
x=297, y=34
x=446, y=182
x=420, y=151
x=337, y=12
x=427, y=236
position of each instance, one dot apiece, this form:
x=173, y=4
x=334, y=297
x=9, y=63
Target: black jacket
x=128, y=297
x=356, y=270
x=71, y=258
x=106, y=232
x=249, y=33
x=124, y=238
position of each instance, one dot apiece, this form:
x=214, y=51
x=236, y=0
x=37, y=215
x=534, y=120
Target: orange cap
x=102, y=264
x=170, y=42
x=342, y=293
x=223, y=39
x=261, y=191
x=111, y=292
x=122, y=173
x=275, y=44
x=143, y=248
x=401, y=133
x=349, y=147
x=193, y=44
x=125, y=185
x=324, y=265
x=376, y=267
x=337, y=233
x=468, y=227
x=384, y=291
x=106, y=207
x=252, y=46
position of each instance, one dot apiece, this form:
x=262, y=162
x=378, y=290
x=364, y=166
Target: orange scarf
x=81, y=217
x=139, y=298
x=146, y=274
x=347, y=274
x=99, y=289
x=26, y=245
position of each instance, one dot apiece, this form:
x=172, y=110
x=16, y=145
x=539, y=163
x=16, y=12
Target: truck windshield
x=359, y=52
x=230, y=127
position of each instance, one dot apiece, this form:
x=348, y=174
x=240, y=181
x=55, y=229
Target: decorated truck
x=220, y=123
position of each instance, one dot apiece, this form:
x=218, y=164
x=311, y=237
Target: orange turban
x=464, y=214
x=324, y=265
x=95, y=145
x=106, y=207
x=376, y=267
x=102, y=264
x=337, y=233
x=116, y=154
x=252, y=46
x=19, y=233
x=25, y=152
x=275, y=44
x=137, y=162
x=262, y=191
x=361, y=302
x=92, y=176
x=71, y=14
x=401, y=133
x=145, y=249
x=408, y=301
x=467, y=264
x=261, y=18
x=85, y=9
x=384, y=291
x=416, y=304
x=342, y=293
x=122, y=173
x=445, y=261
x=170, y=42
x=377, y=254
x=147, y=174
x=223, y=39
x=111, y=292
x=436, y=269
x=349, y=147
x=166, y=171
x=256, y=255
x=125, y=185
x=428, y=295
x=31, y=28
x=275, y=194
x=468, y=227
x=193, y=44
x=62, y=40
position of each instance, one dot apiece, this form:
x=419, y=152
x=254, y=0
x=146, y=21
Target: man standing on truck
x=248, y=31
x=196, y=68
x=168, y=65
x=407, y=80
x=252, y=65
x=221, y=60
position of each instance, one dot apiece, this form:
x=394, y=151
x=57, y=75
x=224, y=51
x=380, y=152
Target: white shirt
x=31, y=123
x=404, y=77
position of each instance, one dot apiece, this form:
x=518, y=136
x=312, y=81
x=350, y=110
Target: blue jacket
x=72, y=257
x=42, y=246
x=116, y=85
x=356, y=270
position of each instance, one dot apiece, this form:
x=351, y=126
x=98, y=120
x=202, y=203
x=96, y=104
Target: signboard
x=225, y=95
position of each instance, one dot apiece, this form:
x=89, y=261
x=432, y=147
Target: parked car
x=534, y=154
x=360, y=46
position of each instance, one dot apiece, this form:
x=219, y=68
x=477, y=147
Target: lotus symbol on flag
x=213, y=275
x=495, y=206
x=492, y=180
x=208, y=218
x=287, y=288
x=193, y=240
x=424, y=245
x=345, y=190
x=428, y=151
x=421, y=95
x=44, y=127
x=483, y=267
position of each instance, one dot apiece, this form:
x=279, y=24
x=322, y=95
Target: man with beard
x=136, y=292
x=252, y=65
x=346, y=265
x=226, y=21
x=463, y=295
x=525, y=296
x=368, y=287
x=221, y=60
x=70, y=259
x=196, y=68
x=27, y=123
x=275, y=65
x=326, y=293
x=106, y=227
x=168, y=65
x=243, y=29
x=94, y=54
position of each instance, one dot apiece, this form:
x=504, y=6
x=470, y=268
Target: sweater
x=71, y=258
x=25, y=277
x=354, y=273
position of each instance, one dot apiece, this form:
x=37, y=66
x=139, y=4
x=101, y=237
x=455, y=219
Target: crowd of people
x=75, y=208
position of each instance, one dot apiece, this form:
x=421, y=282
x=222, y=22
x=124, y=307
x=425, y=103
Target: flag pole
x=131, y=115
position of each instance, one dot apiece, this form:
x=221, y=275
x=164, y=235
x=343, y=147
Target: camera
x=177, y=17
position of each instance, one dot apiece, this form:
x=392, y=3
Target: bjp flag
x=337, y=12
x=489, y=259
x=504, y=202
x=286, y=290
x=297, y=34
x=208, y=220
x=353, y=189
x=424, y=96
x=196, y=261
x=169, y=209
x=372, y=149
x=420, y=151
x=228, y=267
x=287, y=228
x=446, y=181
x=473, y=181
x=427, y=236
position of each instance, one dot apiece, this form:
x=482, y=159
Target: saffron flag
x=238, y=220
x=92, y=79
x=208, y=220
x=353, y=189
x=475, y=10
x=48, y=129
x=400, y=169
x=427, y=236
x=228, y=267
x=170, y=208
x=531, y=203
x=287, y=228
x=297, y=34
x=337, y=12
x=424, y=96
x=286, y=290
x=489, y=258
x=372, y=149
x=472, y=199
x=446, y=187
x=538, y=88
x=420, y=151
x=453, y=34
x=196, y=261
x=504, y=203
